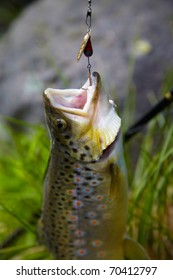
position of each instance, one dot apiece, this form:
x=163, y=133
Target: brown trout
x=85, y=192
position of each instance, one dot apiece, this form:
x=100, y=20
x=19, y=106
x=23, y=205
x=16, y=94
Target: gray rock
x=40, y=50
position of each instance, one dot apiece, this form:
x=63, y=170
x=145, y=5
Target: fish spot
x=78, y=204
x=83, y=155
x=61, y=244
x=79, y=233
x=67, y=180
x=74, y=150
x=97, y=243
x=87, y=197
x=56, y=181
x=73, y=218
x=87, y=190
x=94, y=183
x=71, y=143
x=99, y=197
x=60, y=206
x=87, y=169
x=102, y=207
x=81, y=252
x=82, y=158
x=67, y=136
x=71, y=192
x=88, y=177
x=91, y=214
x=94, y=222
x=63, y=217
x=76, y=165
x=67, y=166
x=72, y=226
x=87, y=148
x=77, y=180
x=101, y=254
x=100, y=179
x=77, y=172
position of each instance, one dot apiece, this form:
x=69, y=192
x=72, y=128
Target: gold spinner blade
x=83, y=45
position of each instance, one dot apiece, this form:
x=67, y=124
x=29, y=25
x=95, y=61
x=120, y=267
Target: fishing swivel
x=89, y=15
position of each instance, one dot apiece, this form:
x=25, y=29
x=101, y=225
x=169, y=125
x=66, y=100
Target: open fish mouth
x=91, y=116
x=75, y=101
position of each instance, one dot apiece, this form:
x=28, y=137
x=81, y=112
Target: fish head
x=83, y=120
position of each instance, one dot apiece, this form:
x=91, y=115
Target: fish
x=84, y=211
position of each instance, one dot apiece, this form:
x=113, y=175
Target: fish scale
x=84, y=211
x=78, y=200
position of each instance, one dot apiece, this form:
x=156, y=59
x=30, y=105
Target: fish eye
x=61, y=124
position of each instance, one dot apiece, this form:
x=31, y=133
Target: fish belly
x=80, y=220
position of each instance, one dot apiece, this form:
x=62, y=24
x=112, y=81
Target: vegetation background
x=24, y=152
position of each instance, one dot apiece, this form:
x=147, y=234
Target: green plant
x=23, y=159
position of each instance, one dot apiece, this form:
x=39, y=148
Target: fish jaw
x=75, y=102
x=92, y=123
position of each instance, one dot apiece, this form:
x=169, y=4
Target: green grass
x=151, y=193
x=149, y=159
x=149, y=156
x=23, y=159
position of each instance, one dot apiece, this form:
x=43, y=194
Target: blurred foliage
x=23, y=159
x=149, y=159
x=9, y=10
x=151, y=188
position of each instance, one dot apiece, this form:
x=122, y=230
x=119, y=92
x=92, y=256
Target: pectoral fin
x=133, y=250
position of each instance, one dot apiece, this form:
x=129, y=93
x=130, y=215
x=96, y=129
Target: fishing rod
x=158, y=108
